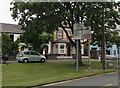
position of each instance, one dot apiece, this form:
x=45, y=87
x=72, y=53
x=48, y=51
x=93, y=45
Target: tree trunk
x=103, y=43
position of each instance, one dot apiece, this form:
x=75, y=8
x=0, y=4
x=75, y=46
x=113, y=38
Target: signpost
x=81, y=32
x=89, y=41
x=77, y=36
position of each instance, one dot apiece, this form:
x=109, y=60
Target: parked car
x=4, y=58
x=27, y=56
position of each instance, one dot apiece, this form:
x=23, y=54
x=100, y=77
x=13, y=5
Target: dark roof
x=10, y=28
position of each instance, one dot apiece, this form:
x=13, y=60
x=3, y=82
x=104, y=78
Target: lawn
x=30, y=74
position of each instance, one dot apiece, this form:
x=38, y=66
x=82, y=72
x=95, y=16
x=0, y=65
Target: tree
x=36, y=39
x=48, y=17
x=8, y=46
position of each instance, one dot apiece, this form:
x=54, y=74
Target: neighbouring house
x=113, y=50
x=14, y=31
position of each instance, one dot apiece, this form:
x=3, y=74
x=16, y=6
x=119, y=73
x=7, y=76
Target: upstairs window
x=59, y=35
x=12, y=37
x=68, y=31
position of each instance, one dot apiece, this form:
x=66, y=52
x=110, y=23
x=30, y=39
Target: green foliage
x=36, y=39
x=8, y=46
x=43, y=16
x=116, y=40
x=45, y=37
x=38, y=17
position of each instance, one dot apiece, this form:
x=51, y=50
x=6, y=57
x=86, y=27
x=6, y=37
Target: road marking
x=65, y=81
x=77, y=79
x=106, y=85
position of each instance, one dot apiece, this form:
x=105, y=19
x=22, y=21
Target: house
x=60, y=45
x=14, y=31
x=114, y=50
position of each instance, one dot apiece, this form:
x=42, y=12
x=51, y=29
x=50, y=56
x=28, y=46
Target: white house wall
x=16, y=36
x=82, y=50
x=114, y=51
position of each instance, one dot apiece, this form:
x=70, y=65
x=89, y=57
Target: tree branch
x=71, y=41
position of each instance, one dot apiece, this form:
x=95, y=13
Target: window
x=62, y=48
x=68, y=31
x=59, y=48
x=20, y=53
x=27, y=53
x=56, y=48
x=12, y=36
x=59, y=36
x=34, y=53
x=114, y=52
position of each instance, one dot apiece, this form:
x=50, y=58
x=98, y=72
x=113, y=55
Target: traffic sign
x=81, y=32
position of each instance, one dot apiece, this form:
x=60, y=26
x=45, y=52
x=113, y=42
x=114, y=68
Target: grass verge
x=30, y=74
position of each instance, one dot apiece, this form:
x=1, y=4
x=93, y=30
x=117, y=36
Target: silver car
x=27, y=56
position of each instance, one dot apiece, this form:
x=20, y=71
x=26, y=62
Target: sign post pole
x=77, y=37
x=81, y=32
x=77, y=54
x=89, y=41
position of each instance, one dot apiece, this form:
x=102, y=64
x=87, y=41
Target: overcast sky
x=5, y=14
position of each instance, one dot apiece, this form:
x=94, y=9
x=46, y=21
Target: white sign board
x=81, y=32
x=77, y=31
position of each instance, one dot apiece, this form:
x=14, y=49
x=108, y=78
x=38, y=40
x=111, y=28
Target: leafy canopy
x=8, y=46
x=37, y=17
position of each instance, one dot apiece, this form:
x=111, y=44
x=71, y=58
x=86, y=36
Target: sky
x=5, y=13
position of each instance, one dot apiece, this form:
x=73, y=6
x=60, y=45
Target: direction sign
x=81, y=32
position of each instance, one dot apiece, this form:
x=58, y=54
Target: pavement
x=108, y=80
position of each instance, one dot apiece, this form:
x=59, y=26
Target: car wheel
x=25, y=61
x=42, y=60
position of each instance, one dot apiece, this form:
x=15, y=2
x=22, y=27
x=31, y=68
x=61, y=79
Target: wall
x=16, y=36
x=114, y=51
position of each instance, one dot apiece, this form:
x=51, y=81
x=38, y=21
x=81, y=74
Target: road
x=109, y=80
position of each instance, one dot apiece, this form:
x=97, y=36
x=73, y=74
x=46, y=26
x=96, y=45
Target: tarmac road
x=109, y=80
